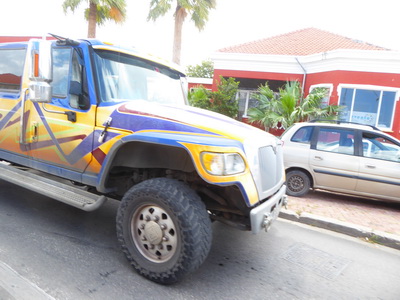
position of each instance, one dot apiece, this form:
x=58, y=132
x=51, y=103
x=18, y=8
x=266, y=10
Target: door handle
x=370, y=166
x=318, y=158
x=35, y=131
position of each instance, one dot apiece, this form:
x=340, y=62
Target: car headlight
x=222, y=163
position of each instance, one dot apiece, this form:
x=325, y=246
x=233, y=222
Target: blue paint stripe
x=356, y=177
x=81, y=150
x=135, y=122
x=174, y=139
x=7, y=118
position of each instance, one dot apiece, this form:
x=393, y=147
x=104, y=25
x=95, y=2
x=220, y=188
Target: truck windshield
x=123, y=78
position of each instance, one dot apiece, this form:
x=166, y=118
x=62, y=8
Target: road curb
x=14, y=286
x=369, y=234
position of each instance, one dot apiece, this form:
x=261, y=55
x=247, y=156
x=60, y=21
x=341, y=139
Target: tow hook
x=267, y=222
x=285, y=201
x=271, y=216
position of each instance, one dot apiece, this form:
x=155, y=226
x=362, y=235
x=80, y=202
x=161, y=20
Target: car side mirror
x=75, y=88
x=41, y=70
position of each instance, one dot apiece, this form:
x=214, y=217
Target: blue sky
x=233, y=22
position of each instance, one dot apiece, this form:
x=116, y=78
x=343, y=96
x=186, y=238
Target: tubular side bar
x=59, y=191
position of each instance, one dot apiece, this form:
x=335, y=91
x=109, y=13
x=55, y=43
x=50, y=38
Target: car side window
x=303, y=135
x=379, y=147
x=11, y=69
x=67, y=78
x=336, y=140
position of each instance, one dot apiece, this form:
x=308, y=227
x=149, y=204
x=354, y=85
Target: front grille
x=271, y=159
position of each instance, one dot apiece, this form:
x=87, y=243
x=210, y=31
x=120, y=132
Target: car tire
x=164, y=229
x=298, y=183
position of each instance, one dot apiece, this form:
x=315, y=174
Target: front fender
x=193, y=145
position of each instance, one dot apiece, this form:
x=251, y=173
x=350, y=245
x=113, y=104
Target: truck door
x=12, y=92
x=61, y=130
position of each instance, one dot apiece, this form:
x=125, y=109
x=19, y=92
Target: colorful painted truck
x=83, y=121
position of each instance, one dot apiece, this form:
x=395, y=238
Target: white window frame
x=329, y=86
x=372, y=88
x=248, y=92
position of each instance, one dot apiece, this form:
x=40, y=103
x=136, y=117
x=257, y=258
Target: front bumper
x=262, y=216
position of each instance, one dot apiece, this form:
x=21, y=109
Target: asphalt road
x=52, y=251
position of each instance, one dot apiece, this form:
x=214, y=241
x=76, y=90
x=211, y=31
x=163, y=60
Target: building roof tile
x=299, y=43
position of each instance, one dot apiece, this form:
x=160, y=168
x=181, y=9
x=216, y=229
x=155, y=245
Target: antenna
x=64, y=41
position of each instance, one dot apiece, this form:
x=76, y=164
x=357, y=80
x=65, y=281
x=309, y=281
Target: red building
x=363, y=78
x=195, y=82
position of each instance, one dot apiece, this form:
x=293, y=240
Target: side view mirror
x=75, y=88
x=41, y=72
x=75, y=91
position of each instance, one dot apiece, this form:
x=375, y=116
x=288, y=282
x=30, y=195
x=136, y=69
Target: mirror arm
x=71, y=115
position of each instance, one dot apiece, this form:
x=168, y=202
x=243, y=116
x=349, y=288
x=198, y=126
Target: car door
x=379, y=174
x=332, y=159
x=61, y=132
x=13, y=92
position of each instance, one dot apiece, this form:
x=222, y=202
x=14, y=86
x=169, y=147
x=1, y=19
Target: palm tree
x=98, y=12
x=288, y=106
x=199, y=10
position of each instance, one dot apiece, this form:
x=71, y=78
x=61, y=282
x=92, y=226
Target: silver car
x=341, y=157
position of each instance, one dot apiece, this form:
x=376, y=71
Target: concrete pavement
x=15, y=287
x=371, y=220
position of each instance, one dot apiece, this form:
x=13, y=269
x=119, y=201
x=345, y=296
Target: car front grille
x=271, y=161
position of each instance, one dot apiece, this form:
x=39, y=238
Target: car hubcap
x=296, y=183
x=154, y=233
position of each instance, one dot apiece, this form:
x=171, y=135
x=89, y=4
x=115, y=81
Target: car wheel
x=298, y=183
x=164, y=229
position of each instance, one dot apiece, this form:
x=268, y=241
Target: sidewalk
x=371, y=220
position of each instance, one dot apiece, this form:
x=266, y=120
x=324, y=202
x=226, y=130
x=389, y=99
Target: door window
x=61, y=69
x=303, y=135
x=336, y=140
x=11, y=68
x=375, y=146
x=67, y=78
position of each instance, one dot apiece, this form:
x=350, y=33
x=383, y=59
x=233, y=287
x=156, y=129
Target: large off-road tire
x=298, y=183
x=164, y=229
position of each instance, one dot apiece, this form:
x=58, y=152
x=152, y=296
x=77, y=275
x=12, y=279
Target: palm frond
x=71, y=4
x=158, y=8
x=290, y=107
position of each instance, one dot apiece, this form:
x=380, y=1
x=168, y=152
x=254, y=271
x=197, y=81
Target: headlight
x=222, y=163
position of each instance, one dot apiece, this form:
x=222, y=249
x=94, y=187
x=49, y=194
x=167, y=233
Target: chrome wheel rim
x=154, y=233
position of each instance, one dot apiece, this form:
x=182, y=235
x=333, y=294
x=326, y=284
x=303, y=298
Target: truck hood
x=138, y=116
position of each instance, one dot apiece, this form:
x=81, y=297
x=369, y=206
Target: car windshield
x=124, y=77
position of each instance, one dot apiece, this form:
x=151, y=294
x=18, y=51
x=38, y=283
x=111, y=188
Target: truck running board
x=51, y=188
